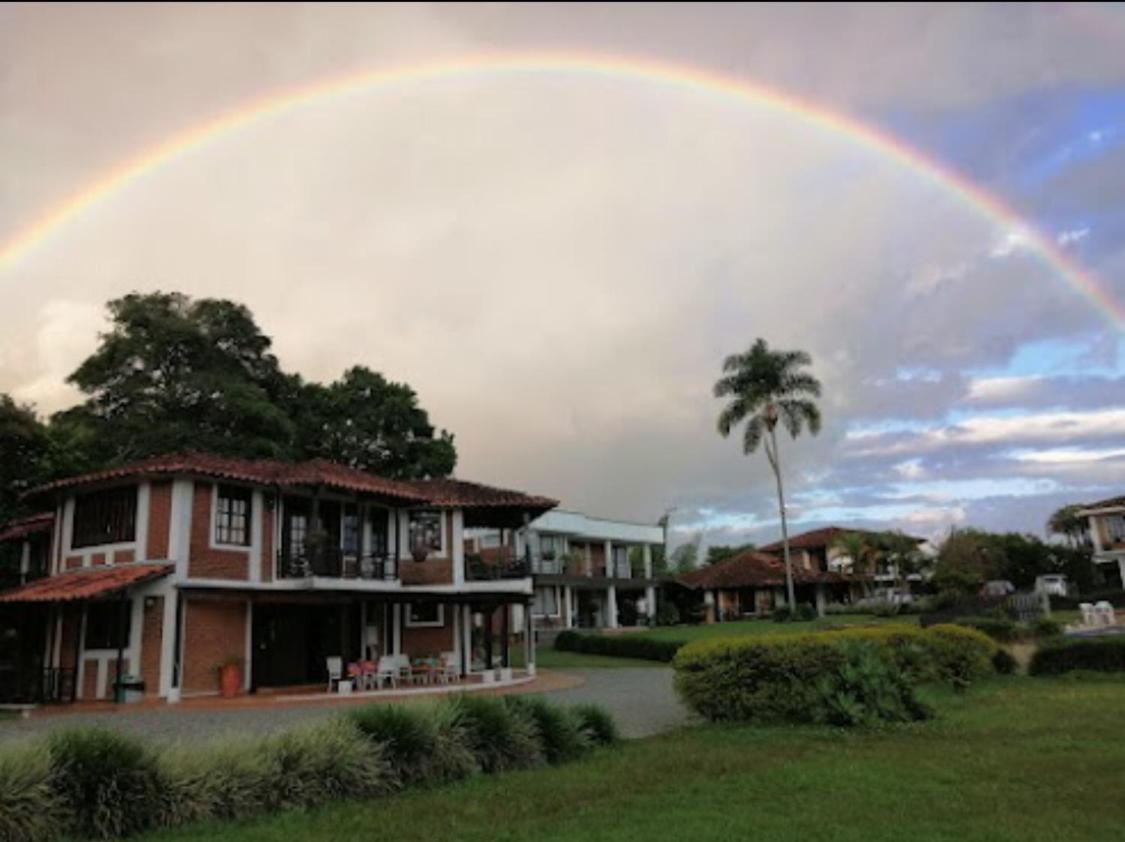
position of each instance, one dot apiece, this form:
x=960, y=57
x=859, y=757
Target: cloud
x=1074, y=235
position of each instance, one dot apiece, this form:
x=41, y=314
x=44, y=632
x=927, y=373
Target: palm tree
x=856, y=547
x=1066, y=521
x=765, y=387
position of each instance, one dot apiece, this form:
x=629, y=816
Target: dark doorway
x=292, y=642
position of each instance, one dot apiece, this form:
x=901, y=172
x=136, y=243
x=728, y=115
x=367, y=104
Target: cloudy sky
x=559, y=261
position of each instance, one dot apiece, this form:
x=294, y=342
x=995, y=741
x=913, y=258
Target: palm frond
x=752, y=435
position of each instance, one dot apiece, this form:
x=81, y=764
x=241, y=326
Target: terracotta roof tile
x=464, y=494
x=1111, y=503
x=23, y=526
x=85, y=584
x=822, y=537
x=752, y=569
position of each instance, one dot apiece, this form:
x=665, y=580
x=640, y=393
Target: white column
x=821, y=601
x=529, y=642
x=458, y=554
x=144, y=501
x=467, y=637
x=1121, y=568
x=248, y=656
x=257, y=505
x=646, y=554
x=396, y=629
x=610, y=572
x=179, y=539
x=25, y=560
x=1096, y=534
x=589, y=560
x=611, y=607
x=455, y=621
x=568, y=606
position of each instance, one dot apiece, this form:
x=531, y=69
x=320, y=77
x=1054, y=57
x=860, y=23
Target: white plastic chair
x=1089, y=615
x=1105, y=613
x=387, y=671
x=335, y=666
x=450, y=672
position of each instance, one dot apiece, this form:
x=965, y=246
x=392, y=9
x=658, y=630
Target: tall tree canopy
x=174, y=373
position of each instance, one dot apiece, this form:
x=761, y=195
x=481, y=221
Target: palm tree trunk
x=775, y=463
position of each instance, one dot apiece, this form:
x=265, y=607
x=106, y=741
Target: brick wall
x=71, y=623
x=205, y=562
x=90, y=679
x=124, y=556
x=214, y=631
x=97, y=558
x=159, y=519
x=433, y=571
x=428, y=641
x=152, y=636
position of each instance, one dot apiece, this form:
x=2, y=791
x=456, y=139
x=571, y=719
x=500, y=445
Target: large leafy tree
x=764, y=388
x=720, y=552
x=368, y=422
x=24, y=445
x=176, y=374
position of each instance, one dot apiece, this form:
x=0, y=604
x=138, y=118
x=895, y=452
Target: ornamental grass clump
x=420, y=745
x=30, y=811
x=215, y=781
x=109, y=784
x=596, y=724
x=499, y=738
x=325, y=762
x=559, y=729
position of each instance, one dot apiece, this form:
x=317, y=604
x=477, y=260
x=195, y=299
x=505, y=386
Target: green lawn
x=1016, y=759
x=550, y=658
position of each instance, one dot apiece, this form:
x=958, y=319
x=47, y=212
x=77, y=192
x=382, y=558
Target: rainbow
x=696, y=81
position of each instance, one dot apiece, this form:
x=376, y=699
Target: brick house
x=171, y=566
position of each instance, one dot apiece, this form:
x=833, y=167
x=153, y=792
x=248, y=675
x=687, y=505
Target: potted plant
x=230, y=677
x=420, y=550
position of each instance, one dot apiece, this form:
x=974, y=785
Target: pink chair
x=369, y=671
x=355, y=675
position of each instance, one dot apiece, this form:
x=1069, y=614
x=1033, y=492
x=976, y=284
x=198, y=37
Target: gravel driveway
x=641, y=699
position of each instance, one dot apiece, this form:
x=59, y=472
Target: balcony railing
x=334, y=563
x=478, y=570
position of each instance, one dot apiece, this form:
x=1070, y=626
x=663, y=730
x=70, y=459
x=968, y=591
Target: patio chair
x=1089, y=615
x=367, y=670
x=450, y=671
x=335, y=665
x=355, y=675
x=1105, y=613
x=405, y=673
x=387, y=671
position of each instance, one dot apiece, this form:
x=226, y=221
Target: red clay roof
x=750, y=569
x=815, y=538
x=86, y=584
x=23, y=526
x=459, y=493
x=263, y=471
x=1111, y=503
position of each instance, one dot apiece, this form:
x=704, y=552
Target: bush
x=1004, y=663
x=1046, y=627
x=884, y=608
x=109, y=784
x=561, y=737
x=667, y=614
x=805, y=612
x=408, y=736
x=865, y=689
x=596, y=724
x=29, y=809
x=778, y=679
x=228, y=780
x=998, y=628
x=802, y=613
x=620, y=646
x=320, y=763
x=1102, y=654
x=781, y=614
x=499, y=738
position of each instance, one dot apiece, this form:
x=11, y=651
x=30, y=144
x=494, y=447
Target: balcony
x=334, y=563
x=512, y=567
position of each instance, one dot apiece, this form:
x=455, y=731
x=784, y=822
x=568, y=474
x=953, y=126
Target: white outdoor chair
x=1089, y=615
x=450, y=672
x=387, y=671
x=1106, y=616
x=335, y=666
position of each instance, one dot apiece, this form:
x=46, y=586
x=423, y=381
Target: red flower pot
x=230, y=680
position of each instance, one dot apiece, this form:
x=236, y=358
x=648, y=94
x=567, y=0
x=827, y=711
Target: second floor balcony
x=335, y=563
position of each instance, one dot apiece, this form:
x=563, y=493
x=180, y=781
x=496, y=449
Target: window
x=1115, y=529
x=550, y=547
x=232, y=516
x=104, y=627
x=490, y=540
x=351, y=533
x=425, y=531
x=545, y=603
x=105, y=517
x=298, y=532
x=425, y=614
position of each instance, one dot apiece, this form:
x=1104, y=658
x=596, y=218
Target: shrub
x=499, y=738
x=319, y=763
x=883, y=608
x=781, y=614
x=596, y=724
x=1046, y=627
x=667, y=614
x=452, y=758
x=559, y=730
x=998, y=628
x=228, y=780
x=1004, y=663
x=1103, y=654
x=805, y=612
x=109, y=784
x=865, y=689
x=408, y=737
x=29, y=809
x=777, y=679
x=621, y=646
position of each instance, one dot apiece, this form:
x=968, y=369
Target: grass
x=548, y=658
x=768, y=628
x=1013, y=759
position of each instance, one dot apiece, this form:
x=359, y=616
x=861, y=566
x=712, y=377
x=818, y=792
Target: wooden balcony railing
x=335, y=563
x=478, y=570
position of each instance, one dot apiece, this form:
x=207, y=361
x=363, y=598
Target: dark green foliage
x=970, y=557
x=667, y=614
x=230, y=780
x=29, y=807
x=620, y=646
x=782, y=614
x=109, y=784
x=1116, y=598
x=24, y=446
x=1004, y=663
x=802, y=613
x=1101, y=654
x=320, y=763
x=1046, y=627
x=499, y=738
x=420, y=745
x=559, y=730
x=998, y=628
x=867, y=688
x=718, y=552
x=596, y=724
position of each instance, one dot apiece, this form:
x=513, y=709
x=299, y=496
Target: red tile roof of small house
x=88, y=583
x=459, y=493
x=822, y=537
x=24, y=526
x=750, y=569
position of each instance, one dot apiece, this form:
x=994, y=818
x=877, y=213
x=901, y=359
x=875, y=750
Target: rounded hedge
x=1101, y=654
x=619, y=646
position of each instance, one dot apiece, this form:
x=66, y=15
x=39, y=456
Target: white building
x=1106, y=519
